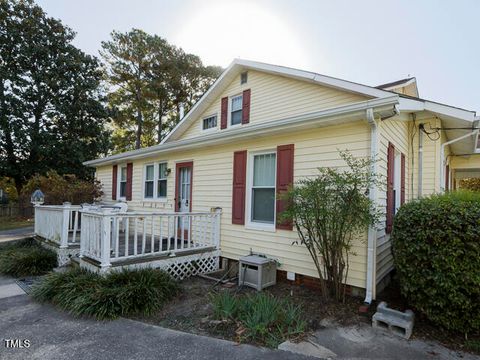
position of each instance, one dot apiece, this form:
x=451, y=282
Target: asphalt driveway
x=16, y=234
x=56, y=335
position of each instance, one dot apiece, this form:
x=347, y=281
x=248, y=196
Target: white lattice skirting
x=180, y=267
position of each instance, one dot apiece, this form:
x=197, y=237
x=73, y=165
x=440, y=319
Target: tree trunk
x=138, y=140
x=160, y=125
x=139, y=128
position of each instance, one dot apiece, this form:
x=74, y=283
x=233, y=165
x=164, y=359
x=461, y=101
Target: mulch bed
x=191, y=311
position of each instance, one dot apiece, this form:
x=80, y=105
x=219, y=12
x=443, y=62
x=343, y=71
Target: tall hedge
x=436, y=248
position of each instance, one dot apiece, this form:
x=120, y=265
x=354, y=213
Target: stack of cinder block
x=394, y=321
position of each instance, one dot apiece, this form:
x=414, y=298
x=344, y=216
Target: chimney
x=181, y=110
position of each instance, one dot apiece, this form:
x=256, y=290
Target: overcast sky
x=370, y=42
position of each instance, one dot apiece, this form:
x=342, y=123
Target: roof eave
x=322, y=116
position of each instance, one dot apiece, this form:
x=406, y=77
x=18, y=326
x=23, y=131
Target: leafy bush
x=472, y=184
x=26, y=258
x=330, y=211
x=263, y=318
x=130, y=292
x=58, y=189
x=436, y=246
x=9, y=189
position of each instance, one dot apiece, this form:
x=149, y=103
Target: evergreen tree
x=52, y=111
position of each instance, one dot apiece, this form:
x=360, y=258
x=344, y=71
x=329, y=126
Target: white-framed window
x=155, y=181
x=209, y=122
x=261, y=190
x=236, y=109
x=122, y=181
x=149, y=180
x=162, y=180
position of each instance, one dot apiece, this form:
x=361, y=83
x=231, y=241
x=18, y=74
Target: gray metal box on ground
x=257, y=272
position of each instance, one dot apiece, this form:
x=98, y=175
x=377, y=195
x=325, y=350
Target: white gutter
x=372, y=231
x=228, y=135
x=442, y=156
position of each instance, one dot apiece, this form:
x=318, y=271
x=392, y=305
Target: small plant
x=26, y=258
x=473, y=345
x=261, y=318
x=225, y=305
x=126, y=293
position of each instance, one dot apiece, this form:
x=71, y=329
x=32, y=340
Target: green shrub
x=436, y=247
x=26, y=258
x=265, y=319
x=130, y=292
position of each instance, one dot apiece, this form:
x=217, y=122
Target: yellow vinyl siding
x=402, y=134
x=212, y=187
x=276, y=97
x=431, y=158
x=395, y=131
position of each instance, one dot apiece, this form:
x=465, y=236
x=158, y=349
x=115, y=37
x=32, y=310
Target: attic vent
x=243, y=78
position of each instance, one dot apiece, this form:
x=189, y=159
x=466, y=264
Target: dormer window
x=209, y=122
x=236, y=110
x=243, y=78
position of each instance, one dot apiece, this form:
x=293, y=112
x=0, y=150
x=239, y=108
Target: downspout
x=372, y=231
x=420, y=160
x=442, y=156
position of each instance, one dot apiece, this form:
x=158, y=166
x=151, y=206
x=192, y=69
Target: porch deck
x=182, y=243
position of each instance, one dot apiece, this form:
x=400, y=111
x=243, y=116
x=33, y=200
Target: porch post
x=65, y=225
x=105, y=239
x=36, y=218
x=218, y=216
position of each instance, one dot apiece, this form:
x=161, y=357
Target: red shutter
x=285, y=155
x=246, y=107
x=239, y=183
x=402, y=179
x=447, y=177
x=390, y=193
x=114, y=182
x=224, y=113
x=128, y=192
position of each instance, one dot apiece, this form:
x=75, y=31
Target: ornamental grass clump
x=126, y=293
x=436, y=248
x=26, y=258
x=261, y=318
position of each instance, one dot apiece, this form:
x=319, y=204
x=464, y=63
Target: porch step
x=74, y=261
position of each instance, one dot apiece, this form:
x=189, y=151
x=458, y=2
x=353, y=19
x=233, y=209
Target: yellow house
x=260, y=127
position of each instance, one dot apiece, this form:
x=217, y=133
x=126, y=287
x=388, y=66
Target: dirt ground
x=192, y=312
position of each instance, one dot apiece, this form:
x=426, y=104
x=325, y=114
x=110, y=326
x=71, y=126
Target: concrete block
x=394, y=321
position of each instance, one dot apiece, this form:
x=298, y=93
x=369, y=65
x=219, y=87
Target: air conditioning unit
x=257, y=272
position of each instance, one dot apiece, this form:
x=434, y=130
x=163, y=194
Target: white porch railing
x=108, y=236
x=58, y=223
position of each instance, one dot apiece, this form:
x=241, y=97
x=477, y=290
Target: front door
x=183, y=198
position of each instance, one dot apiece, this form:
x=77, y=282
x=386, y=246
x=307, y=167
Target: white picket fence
x=58, y=223
x=109, y=236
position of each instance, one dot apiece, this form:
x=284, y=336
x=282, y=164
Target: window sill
x=209, y=130
x=153, y=200
x=261, y=227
